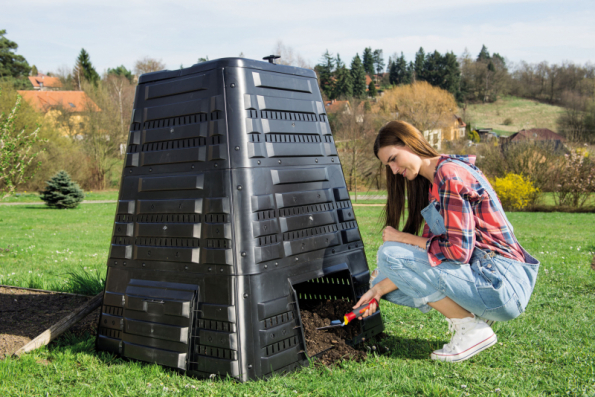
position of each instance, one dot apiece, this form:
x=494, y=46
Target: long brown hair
x=401, y=133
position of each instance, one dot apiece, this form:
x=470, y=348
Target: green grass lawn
x=524, y=113
x=28, y=197
x=549, y=350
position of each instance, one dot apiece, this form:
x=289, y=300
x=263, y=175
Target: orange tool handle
x=349, y=317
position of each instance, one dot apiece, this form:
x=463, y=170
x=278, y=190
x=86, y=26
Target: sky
x=50, y=35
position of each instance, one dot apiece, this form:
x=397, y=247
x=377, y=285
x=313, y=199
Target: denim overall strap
x=494, y=199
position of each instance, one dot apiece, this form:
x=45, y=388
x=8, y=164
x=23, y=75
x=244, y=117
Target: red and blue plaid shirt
x=469, y=218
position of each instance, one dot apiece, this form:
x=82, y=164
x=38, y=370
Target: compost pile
x=26, y=313
x=330, y=342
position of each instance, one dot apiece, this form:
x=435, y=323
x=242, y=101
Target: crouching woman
x=467, y=264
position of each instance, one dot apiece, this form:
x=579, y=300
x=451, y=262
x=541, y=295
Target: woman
x=467, y=264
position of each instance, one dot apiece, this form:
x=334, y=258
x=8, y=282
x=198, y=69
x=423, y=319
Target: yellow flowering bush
x=514, y=191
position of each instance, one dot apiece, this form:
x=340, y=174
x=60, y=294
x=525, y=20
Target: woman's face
x=401, y=160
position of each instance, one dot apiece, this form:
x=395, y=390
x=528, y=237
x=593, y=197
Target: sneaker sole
x=462, y=356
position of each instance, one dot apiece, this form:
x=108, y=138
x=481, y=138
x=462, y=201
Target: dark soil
x=331, y=342
x=24, y=314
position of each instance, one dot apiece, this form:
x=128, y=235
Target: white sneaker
x=471, y=335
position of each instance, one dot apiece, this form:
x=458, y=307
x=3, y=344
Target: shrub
x=473, y=136
x=575, y=180
x=514, y=191
x=507, y=121
x=62, y=192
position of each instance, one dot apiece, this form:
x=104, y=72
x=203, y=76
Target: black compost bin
x=233, y=209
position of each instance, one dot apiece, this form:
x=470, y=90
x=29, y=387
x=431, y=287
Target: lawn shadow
x=407, y=348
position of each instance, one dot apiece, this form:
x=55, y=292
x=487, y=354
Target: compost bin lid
x=225, y=62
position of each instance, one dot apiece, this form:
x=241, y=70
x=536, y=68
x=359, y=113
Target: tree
x=121, y=93
x=148, y=65
x=368, y=61
x=18, y=149
x=398, y=73
x=61, y=192
x=343, y=83
x=121, y=71
x=13, y=68
x=358, y=77
x=200, y=60
x=372, y=89
x=34, y=71
x=325, y=74
x=418, y=66
x=84, y=69
x=483, y=55
x=378, y=61
x=421, y=104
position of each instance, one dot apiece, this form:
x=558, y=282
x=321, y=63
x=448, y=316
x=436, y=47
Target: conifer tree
x=343, y=83
x=34, y=71
x=372, y=90
x=368, y=61
x=483, y=55
x=84, y=69
x=378, y=61
x=398, y=73
x=13, y=68
x=121, y=71
x=418, y=66
x=62, y=192
x=358, y=77
x=325, y=74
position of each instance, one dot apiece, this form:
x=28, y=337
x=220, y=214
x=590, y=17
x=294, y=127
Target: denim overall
x=491, y=286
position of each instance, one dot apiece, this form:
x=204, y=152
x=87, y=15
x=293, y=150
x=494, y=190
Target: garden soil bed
x=26, y=313
x=329, y=345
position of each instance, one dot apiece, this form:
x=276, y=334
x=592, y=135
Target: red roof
x=74, y=101
x=45, y=81
x=537, y=134
x=335, y=106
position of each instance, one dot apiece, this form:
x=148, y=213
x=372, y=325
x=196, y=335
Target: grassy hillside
x=524, y=113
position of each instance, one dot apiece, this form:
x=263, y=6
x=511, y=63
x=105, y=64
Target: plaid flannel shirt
x=469, y=218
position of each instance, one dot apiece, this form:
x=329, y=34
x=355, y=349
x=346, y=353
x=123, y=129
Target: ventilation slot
x=121, y=240
x=269, y=214
x=171, y=122
x=307, y=209
x=216, y=352
x=291, y=138
x=343, y=204
x=267, y=240
x=328, y=139
x=179, y=144
x=113, y=310
x=254, y=137
x=132, y=148
x=110, y=333
x=348, y=225
x=252, y=114
x=309, y=232
x=167, y=242
x=294, y=116
x=218, y=243
x=216, y=325
x=281, y=346
x=216, y=140
x=216, y=218
x=278, y=320
x=162, y=218
x=134, y=126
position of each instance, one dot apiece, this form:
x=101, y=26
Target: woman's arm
x=376, y=292
x=392, y=234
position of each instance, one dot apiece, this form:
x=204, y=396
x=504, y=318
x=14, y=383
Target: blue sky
x=51, y=34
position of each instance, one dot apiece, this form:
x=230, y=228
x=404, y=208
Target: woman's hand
x=391, y=234
x=367, y=297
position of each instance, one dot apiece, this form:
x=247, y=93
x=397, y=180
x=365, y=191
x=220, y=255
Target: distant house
x=71, y=101
x=41, y=82
x=55, y=104
x=434, y=137
x=378, y=90
x=334, y=106
x=456, y=130
x=486, y=134
x=536, y=135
